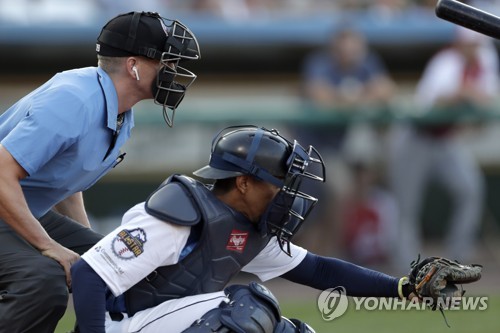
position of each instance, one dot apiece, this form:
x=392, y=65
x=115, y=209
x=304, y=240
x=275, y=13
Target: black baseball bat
x=469, y=17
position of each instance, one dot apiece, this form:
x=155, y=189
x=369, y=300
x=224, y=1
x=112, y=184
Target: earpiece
x=134, y=69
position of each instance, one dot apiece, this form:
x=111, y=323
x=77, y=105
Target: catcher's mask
x=268, y=156
x=150, y=35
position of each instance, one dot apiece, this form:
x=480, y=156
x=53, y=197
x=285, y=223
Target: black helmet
x=149, y=35
x=268, y=156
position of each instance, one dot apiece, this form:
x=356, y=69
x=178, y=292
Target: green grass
x=67, y=322
x=487, y=321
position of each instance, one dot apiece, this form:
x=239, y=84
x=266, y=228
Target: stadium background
x=250, y=73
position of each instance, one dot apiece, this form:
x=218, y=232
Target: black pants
x=33, y=290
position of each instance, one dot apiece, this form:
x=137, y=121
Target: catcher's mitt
x=434, y=280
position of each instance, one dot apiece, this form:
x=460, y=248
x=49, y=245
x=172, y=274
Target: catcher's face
x=257, y=197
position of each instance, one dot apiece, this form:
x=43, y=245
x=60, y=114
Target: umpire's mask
x=150, y=35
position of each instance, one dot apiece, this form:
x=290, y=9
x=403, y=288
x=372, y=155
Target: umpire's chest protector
x=226, y=241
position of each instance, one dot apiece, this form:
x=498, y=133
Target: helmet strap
x=254, y=147
x=132, y=33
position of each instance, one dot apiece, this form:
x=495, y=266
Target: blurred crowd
x=377, y=175
x=29, y=11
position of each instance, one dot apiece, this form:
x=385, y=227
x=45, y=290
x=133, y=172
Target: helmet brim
x=207, y=172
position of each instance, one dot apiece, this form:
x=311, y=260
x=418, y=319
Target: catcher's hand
x=434, y=280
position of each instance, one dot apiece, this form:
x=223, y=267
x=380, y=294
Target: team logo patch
x=237, y=241
x=129, y=244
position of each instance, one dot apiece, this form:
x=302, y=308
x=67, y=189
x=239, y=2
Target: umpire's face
x=144, y=72
x=254, y=196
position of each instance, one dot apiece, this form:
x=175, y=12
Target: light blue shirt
x=60, y=134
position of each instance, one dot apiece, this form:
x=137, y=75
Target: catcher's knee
x=251, y=309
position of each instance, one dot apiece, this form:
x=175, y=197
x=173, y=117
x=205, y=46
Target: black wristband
x=407, y=289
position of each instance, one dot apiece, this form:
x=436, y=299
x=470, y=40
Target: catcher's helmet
x=149, y=35
x=250, y=150
x=268, y=156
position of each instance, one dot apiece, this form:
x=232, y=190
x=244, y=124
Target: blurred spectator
x=232, y=10
x=26, y=12
x=426, y=4
x=124, y=6
x=345, y=76
x=464, y=75
x=491, y=6
x=387, y=9
x=368, y=213
x=76, y=12
x=347, y=73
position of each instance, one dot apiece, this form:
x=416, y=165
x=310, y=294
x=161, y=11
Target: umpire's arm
x=74, y=208
x=15, y=212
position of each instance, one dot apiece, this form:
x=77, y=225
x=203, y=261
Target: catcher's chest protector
x=227, y=242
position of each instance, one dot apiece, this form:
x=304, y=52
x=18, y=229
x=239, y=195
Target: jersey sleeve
x=135, y=249
x=272, y=262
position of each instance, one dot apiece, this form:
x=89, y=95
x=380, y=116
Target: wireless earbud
x=134, y=69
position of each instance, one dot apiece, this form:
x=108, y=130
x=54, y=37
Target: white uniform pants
x=172, y=316
x=414, y=159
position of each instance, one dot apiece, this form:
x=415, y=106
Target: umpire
x=58, y=141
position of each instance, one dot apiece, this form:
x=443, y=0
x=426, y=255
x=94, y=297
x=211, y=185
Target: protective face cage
x=172, y=80
x=291, y=206
x=150, y=35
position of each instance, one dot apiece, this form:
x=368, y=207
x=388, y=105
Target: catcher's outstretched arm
x=322, y=273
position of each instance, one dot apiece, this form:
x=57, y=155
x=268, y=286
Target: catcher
x=168, y=265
